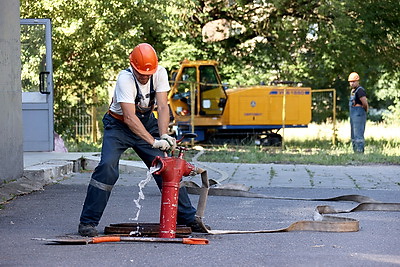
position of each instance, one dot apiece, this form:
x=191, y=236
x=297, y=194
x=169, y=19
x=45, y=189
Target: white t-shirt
x=125, y=88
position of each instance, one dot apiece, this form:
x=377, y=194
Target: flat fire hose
x=321, y=223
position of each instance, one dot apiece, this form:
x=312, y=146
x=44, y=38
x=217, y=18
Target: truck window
x=182, y=96
x=208, y=78
x=213, y=96
x=188, y=76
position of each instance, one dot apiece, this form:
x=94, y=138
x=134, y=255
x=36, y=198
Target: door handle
x=42, y=82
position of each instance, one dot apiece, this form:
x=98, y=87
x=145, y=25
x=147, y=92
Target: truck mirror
x=222, y=102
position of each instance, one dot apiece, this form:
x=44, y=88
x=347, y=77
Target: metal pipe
x=283, y=118
x=192, y=108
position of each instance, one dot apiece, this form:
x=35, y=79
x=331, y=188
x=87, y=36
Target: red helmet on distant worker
x=144, y=59
x=354, y=77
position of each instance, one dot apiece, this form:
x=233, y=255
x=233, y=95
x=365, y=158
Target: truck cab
x=197, y=90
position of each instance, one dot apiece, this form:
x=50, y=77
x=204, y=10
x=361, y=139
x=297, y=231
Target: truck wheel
x=272, y=139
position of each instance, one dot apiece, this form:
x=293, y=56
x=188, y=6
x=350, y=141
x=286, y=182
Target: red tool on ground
x=172, y=169
x=106, y=239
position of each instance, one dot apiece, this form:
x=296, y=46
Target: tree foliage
x=91, y=43
x=314, y=42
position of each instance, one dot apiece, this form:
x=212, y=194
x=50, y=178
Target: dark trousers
x=117, y=138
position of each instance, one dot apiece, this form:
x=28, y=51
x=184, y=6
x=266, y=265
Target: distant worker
x=358, y=112
x=130, y=122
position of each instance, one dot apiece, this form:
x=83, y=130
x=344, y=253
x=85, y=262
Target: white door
x=37, y=85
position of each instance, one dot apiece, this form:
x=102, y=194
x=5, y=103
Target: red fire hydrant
x=172, y=169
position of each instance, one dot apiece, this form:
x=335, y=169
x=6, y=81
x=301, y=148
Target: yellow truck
x=200, y=103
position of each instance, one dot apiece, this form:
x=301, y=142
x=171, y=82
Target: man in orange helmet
x=358, y=112
x=130, y=122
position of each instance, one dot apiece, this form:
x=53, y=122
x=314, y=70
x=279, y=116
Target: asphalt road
x=55, y=212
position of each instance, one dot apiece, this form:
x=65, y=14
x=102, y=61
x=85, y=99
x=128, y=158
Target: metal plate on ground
x=142, y=229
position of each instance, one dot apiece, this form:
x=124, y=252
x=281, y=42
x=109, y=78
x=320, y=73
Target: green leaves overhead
x=316, y=42
x=92, y=39
x=91, y=43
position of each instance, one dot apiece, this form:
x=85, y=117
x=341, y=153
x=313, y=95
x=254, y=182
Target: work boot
x=196, y=227
x=85, y=229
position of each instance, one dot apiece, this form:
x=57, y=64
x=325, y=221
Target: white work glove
x=171, y=141
x=163, y=145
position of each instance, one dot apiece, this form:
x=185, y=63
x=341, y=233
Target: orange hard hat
x=144, y=59
x=354, y=77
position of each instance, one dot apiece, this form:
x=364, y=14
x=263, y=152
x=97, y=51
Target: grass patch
x=307, y=152
x=82, y=146
x=310, y=145
x=313, y=145
x=296, y=152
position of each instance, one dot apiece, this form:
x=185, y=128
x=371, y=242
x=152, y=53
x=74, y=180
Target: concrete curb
x=36, y=177
x=48, y=168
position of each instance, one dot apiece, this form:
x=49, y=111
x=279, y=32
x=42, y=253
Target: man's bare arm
x=364, y=102
x=133, y=122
